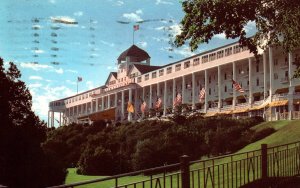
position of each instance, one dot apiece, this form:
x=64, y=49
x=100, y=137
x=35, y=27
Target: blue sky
x=51, y=55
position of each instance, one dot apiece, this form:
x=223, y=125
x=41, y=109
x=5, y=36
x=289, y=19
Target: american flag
x=158, y=103
x=79, y=79
x=177, y=100
x=202, y=94
x=136, y=27
x=237, y=87
x=143, y=106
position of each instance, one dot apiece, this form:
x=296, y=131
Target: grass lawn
x=286, y=132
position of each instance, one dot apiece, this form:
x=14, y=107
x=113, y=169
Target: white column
x=130, y=100
x=108, y=101
x=143, y=94
x=291, y=87
x=193, y=91
x=250, y=81
x=48, y=125
x=52, y=120
x=150, y=96
x=136, y=106
x=165, y=98
x=60, y=119
x=233, y=90
x=157, y=90
x=174, y=91
x=97, y=105
x=271, y=63
x=265, y=74
x=102, y=103
x=183, y=90
x=122, y=104
x=91, y=107
x=219, y=88
x=206, y=91
x=116, y=99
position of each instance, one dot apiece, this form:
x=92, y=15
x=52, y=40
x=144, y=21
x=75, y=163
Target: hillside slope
x=286, y=132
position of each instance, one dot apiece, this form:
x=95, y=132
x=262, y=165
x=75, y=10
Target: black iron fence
x=234, y=170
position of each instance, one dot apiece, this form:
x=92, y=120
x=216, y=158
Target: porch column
x=52, y=120
x=108, y=101
x=193, y=91
x=102, y=103
x=48, y=119
x=206, y=91
x=250, y=81
x=116, y=99
x=122, y=104
x=157, y=90
x=233, y=90
x=265, y=74
x=165, y=98
x=174, y=91
x=219, y=88
x=60, y=119
x=97, y=105
x=91, y=107
x=143, y=94
x=271, y=63
x=130, y=100
x=150, y=96
x=291, y=87
x=183, y=89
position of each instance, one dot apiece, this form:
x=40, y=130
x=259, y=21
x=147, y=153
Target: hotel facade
x=269, y=90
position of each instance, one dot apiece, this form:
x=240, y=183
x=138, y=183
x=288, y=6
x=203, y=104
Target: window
x=248, y=83
x=212, y=56
x=146, y=77
x=177, y=67
x=236, y=49
x=225, y=88
x=228, y=51
x=275, y=62
x=209, y=79
x=169, y=70
x=139, y=79
x=275, y=76
x=186, y=64
x=257, y=81
x=225, y=76
x=220, y=54
x=286, y=74
x=257, y=67
x=209, y=91
x=205, y=59
x=153, y=74
x=196, y=62
x=161, y=72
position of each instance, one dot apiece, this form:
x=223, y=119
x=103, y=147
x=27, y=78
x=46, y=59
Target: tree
x=23, y=163
x=277, y=23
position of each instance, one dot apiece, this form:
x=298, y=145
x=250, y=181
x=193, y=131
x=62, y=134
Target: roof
x=136, y=52
x=146, y=68
x=114, y=74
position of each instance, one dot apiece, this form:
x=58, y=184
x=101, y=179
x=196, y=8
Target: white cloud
x=112, y=68
x=250, y=26
x=134, y=16
x=34, y=66
x=52, y=1
x=35, y=78
x=59, y=71
x=78, y=13
x=175, y=29
x=183, y=51
x=35, y=85
x=38, y=51
x=220, y=36
x=163, y=2
x=72, y=71
x=107, y=43
x=90, y=84
x=119, y=3
x=160, y=39
x=143, y=44
x=71, y=82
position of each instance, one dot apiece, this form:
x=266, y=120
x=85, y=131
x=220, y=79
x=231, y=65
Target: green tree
x=23, y=163
x=277, y=22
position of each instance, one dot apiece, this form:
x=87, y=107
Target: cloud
x=72, y=71
x=250, y=26
x=38, y=51
x=112, y=68
x=35, y=78
x=52, y=1
x=160, y=39
x=183, y=51
x=38, y=67
x=78, y=13
x=35, y=85
x=119, y=3
x=220, y=36
x=134, y=16
x=90, y=84
x=107, y=43
x=71, y=82
x=143, y=44
x=163, y=2
x=59, y=71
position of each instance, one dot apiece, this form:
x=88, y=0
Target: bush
x=262, y=134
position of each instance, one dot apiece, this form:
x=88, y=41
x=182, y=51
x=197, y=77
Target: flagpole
x=133, y=36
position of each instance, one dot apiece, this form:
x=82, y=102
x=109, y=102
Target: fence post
x=264, y=161
x=185, y=171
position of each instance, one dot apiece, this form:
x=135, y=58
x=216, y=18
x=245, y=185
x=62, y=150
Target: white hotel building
x=269, y=91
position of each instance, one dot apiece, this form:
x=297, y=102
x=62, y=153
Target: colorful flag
x=237, y=87
x=130, y=107
x=177, y=100
x=79, y=79
x=143, y=106
x=136, y=27
x=202, y=94
x=158, y=103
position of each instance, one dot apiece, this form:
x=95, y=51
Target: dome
x=135, y=53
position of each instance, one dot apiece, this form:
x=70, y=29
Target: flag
x=143, y=106
x=79, y=79
x=202, y=94
x=130, y=107
x=237, y=87
x=158, y=103
x=177, y=100
x=136, y=27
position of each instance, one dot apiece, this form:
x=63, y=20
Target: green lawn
x=286, y=132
